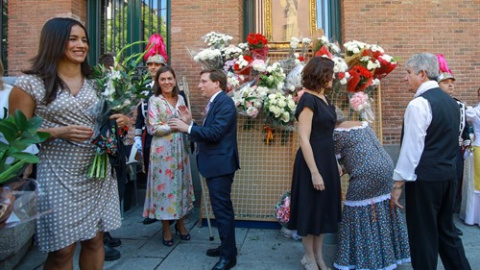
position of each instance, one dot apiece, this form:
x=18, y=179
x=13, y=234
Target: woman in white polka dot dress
x=56, y=88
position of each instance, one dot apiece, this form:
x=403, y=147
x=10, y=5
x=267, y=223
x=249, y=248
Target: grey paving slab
x=189, y=256
x=259, y=249
x=136, y=264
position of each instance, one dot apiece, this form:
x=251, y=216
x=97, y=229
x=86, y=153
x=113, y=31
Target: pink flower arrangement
x=360, y=102
x=283, y=209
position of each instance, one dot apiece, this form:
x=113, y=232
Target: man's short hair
x=424, y=61
x=217, y=75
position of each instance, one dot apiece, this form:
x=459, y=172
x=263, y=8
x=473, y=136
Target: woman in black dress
x=315, y=208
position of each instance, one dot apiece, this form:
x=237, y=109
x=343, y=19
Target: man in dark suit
x=427, y=167
x=217, y=157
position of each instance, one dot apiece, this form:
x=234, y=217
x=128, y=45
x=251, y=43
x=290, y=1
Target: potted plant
x=19, y=133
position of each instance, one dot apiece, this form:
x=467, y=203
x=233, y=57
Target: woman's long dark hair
x=53, y=39
x=157, y=90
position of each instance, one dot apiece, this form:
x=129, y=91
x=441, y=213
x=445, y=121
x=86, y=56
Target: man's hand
x=185, y=114
x=178, y=125
x=396, y=193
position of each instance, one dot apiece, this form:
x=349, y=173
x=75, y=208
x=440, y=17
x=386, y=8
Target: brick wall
x=407, y=27
x=25, y=21
x=401, y=27
x=190, y=21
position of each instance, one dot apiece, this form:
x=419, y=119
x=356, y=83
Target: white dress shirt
x=417, y=119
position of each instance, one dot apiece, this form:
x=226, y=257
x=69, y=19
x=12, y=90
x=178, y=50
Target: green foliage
x=122, y=85
x=20, y=133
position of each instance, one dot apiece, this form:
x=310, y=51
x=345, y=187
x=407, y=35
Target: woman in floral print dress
x=169, y=185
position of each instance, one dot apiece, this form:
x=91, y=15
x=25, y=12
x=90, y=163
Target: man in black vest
x=427, y=167
x=446, y=82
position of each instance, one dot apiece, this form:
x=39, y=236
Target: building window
x=121, y=22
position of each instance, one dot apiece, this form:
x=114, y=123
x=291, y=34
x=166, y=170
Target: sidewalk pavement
x=258, y=249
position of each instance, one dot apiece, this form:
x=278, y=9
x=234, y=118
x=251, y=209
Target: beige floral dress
x=169, y=185
x=78, y=206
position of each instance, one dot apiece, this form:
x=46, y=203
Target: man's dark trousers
x=219, y=189
x=428, y=203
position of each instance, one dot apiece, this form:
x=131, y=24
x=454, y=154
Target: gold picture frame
x=287, y=18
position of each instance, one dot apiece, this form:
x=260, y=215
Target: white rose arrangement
x=273, y=77
x=279, y=109
x=248, y=100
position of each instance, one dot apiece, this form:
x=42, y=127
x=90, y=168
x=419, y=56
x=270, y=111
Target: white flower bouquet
x=209, y=58
x=249, y=99
x=120, y=89
x=273, y=77
x=279, y=110
x=217, y=40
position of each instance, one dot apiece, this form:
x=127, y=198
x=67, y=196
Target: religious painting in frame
x=290, y=18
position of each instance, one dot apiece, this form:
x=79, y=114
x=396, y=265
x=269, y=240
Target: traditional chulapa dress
x=372, y=234
x=470, y=208
x=80, y=206
x=169, y=186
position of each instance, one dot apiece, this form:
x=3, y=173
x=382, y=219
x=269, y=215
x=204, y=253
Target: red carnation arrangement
x=387, y=65
x=257, y=45
x=256, y=41
x=360, y=78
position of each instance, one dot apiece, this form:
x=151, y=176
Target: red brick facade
x=401, y=27
x=25, y=21
x=192, y=20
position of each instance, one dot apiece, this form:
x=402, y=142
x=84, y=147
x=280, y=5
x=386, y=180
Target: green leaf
x=43, y=136
x=11, y=171
x=20, y=120
x=34, y=123
x=8, y=129
x=27, y=157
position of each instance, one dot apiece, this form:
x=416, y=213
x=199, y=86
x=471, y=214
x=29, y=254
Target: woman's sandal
x=320, y=268
x=185, y=237
x=167, y=243
x=308, y=265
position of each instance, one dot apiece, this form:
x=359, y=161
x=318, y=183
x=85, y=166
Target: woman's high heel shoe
x=308, y=265
x=167, y=243
x=185, y=237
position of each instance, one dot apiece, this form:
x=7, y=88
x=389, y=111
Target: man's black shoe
x=213, y=252
x=111, y=254
x=225, y=264
x=110, y=241
x=147, y=221
x=459, y=232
